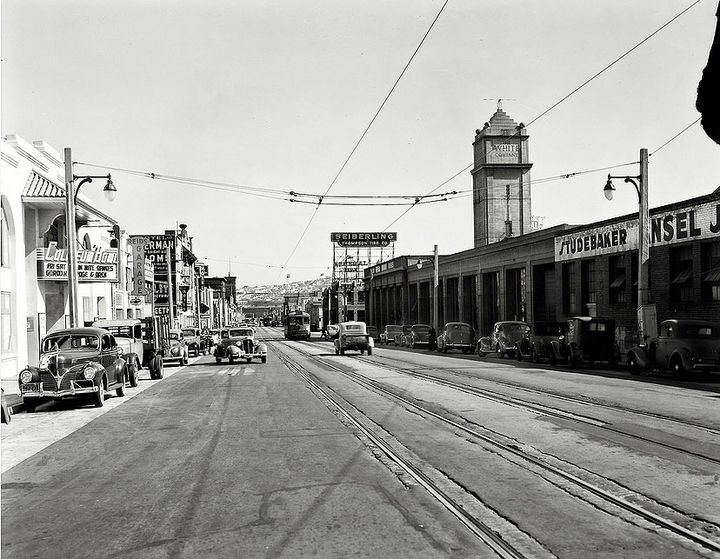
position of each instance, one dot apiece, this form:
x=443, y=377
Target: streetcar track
x=515, y=449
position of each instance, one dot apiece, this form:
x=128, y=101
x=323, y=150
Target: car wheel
x=632, y=364
x=676, y=366
x=263, y=359
x=132, y=373
x=342, y=351
x=248, y=360
x=30, y=404
x=337, y=351
x=99, y=396
x=159, y=367
x=534, y=356
x=369, y=351
x=120, y=391
x=231, y=359
x=184, y=360
x=218, y=360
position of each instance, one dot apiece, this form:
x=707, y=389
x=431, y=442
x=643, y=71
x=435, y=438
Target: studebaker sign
x=95, y=265
x=701, y=221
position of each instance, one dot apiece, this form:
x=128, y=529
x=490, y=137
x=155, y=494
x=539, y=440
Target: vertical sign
x=138, y=252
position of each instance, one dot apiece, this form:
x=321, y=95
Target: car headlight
x=44, y=361
x=174, y=350
x=89, y=372
x=26, y=376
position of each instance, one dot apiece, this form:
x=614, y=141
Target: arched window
x=56, y=233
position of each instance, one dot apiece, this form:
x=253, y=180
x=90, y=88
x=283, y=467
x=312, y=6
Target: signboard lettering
x=697, y=222
x=94, y=265
x=360, y=239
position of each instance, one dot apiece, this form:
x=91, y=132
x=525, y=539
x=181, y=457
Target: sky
x=275, y=94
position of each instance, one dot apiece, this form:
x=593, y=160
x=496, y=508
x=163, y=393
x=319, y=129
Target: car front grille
x=49, y=382
x=247, y=345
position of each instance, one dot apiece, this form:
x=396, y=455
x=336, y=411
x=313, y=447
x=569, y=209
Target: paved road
x=213, y=461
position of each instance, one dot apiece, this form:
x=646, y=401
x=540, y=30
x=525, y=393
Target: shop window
x=569, y=294
x=618, y=280
x=681, y=274
x=87, y=311
x=101, y=308
x=7, y=323
x=710, y=271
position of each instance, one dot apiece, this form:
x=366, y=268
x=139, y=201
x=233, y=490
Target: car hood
x=62, y=363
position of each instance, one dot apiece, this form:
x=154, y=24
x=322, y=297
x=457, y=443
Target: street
x=249, y=460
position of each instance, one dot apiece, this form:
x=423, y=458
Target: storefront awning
x=713, y=275
x=684, y=275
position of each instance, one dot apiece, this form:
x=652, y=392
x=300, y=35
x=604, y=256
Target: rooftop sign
x=381, y=239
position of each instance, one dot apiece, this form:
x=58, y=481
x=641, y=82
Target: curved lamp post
x=71, y=194
x=640, y=182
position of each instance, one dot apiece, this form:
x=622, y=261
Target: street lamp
x=647, y=319
x=71, y=194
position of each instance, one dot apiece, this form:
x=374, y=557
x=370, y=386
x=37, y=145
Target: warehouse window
x=711, y=271
x=618, y=281
x=681, y=274
x=569, y=295
x=589, y=293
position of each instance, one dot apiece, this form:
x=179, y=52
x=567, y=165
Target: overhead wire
x=566, y=97
x=367, y=128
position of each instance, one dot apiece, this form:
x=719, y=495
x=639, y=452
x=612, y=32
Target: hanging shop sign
x=381, y=239
x=697, y=222
x=97, y=265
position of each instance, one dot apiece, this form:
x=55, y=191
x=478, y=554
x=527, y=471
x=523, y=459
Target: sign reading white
x=96, y=265
x=690, y=223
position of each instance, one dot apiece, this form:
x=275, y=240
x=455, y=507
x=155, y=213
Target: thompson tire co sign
x=701, y=221
x=363, y=239
x=96, y=265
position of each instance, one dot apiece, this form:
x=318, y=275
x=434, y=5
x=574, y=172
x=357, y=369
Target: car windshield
x=515, y=328
x=700, y=331
x=189, y=332
x=548, y=329
x=120, y=331
x=241, y=332
x=394, y=329
x=70, y=342
x=174, y=335
x=421, y=329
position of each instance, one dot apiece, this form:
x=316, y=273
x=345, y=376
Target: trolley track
x=663, y=517
x=562, y=414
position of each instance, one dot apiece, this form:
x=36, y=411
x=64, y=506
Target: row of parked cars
x=681, y=345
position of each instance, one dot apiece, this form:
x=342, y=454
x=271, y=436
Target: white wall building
x=32, y=192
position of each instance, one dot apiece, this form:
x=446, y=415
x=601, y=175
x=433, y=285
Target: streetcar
x=297, y=326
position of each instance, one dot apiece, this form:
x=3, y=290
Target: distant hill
x=276, y=293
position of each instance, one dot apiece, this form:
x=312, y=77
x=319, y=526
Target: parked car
x=353, y=335
x=403, y=339
x=504, y=338
x=419, y=335
x=387, y=336
x=175, y=348
x=456, y=335
x=195, y=341
x=681, y=346
x=589, y=339
x=543, y=341
x=239, y=343
x=372, y=331
x=74, y=362
x=332, y=331
x=129, y=336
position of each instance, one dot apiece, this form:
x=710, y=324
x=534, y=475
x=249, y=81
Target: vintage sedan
x=195, y=341
x=353, y=335
x=681, y=346
x=456, y=335
x=74, y=362
x=504, y=338
x=388, y=336
x=175, y=348
x=239, y=343
x=419, y=335
x=543, y=341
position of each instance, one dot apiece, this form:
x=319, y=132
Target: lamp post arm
x=84, y=179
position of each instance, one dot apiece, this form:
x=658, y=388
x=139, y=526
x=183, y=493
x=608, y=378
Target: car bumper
x=36, y=390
